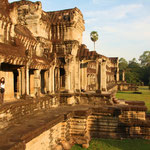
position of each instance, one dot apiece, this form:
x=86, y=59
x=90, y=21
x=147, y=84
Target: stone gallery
x=64, y=94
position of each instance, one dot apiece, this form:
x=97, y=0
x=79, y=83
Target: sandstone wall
x=47, y=140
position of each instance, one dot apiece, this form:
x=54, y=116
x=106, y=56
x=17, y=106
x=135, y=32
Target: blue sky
x=123, y=25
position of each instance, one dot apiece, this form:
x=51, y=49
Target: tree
x=134, y=72
x=145, y=65
x=145, y=58
x=123, y=64
x=94, y=37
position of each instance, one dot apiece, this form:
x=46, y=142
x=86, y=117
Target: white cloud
x=124, y=31
x=116, y=13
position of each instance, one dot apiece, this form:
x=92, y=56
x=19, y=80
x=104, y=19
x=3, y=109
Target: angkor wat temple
x=58, y=92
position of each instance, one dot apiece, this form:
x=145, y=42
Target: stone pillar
x=23, y=80
x=117, y=75
x=51, y=79
x=19, y=83
x=123, y=75
x=103, y=78
x=79, y=76
x=97, y=73
x=66, y=79
x=32, y=89
x=37, y=82
x=27, y=79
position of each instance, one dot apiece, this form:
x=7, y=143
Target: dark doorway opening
x=16, y=83
x=62, y=77
x=43, y=81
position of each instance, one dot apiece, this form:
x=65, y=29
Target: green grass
x=108, y=144
x=126, y=144
x=128, y=95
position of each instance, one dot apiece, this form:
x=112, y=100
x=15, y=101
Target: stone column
x=49, y=80
x=117, y=75
x=23, y=80
x=32, y=89
x=79, y=84
x=37, y=82
x=27, y=79
x=123, y=75
x=103, y=76
x=66, y=79
x=19, y=83
x=97, y=73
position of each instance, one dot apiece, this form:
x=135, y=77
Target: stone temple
x=64, y=94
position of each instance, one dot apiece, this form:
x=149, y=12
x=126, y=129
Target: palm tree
x=94, y=37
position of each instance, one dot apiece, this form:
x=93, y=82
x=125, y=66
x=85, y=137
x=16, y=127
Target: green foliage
x=145, y=58
x=123, y=64
x=135, y=72
x=94, y=37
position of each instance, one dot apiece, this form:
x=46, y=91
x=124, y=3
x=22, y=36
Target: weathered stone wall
x=47, y=140
x=123, y=86
x=12, y=113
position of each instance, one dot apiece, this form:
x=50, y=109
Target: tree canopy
x=137, y=72
x=145, y=58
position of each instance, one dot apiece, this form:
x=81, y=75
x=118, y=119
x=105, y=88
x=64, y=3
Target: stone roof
x=84, y=53
x=23, y=30
x=63, y=16
x=19, y=3
x=17, y=49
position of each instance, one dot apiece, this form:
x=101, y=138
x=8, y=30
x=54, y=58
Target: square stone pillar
x=49, y=80
x=32, y=89
x=117, y=75
x=19, y=83
x=23, y=81
x=123, y=75
x=97, y=76
x=46, y=79
x=103, y=76
x=37, y=82
x=52, y=80
x=27, y=79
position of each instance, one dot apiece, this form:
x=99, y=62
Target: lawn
x=129, y=95
x=126, y=144
x=108, y=144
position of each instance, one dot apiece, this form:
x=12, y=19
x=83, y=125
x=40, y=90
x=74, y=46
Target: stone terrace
x=34, y=124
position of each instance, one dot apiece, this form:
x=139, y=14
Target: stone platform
x=46, y=124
